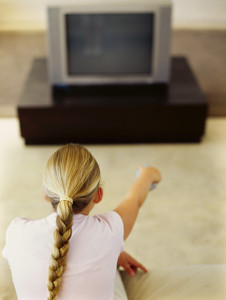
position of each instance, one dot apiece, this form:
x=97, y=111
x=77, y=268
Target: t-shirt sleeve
x=116, y=226
x=12, y=236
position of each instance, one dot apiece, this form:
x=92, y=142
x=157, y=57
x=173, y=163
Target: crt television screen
x=109, y=44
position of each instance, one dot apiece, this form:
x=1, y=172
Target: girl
x=39, y=249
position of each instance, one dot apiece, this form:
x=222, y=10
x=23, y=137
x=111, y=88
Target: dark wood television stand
x=135, y=114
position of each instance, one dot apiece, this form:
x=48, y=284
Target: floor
x=182, y=222
x=204, y=49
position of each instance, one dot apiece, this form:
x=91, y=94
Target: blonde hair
x=71, y=171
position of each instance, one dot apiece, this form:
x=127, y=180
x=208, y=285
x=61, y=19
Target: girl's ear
x=99, y=195
x=46, y=198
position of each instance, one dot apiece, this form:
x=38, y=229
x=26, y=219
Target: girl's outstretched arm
x=136, y=195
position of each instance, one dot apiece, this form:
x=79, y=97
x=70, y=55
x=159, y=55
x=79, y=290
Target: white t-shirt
x=95, y=245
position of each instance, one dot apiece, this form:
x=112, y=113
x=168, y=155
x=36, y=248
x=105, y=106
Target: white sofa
x=198, y=282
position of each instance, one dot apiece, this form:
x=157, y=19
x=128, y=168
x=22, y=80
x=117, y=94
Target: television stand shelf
x=141, y=114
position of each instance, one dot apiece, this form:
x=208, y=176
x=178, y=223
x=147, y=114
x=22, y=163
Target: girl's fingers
x=136, y=265
x=142, y=268
x=129, y=269
x=132, y=269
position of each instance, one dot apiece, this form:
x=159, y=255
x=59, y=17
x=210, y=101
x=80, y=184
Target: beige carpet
x=183, y=221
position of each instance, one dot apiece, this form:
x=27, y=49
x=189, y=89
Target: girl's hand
x=129, y=264
x=152, y=172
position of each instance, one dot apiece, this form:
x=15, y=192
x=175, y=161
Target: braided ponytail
x=60, y=248
x=70, y=171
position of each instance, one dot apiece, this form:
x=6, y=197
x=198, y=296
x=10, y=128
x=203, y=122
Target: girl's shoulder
x=111, y=219
x=17, y=222
x=111, y=216
x=13, y=233
x=16, y=225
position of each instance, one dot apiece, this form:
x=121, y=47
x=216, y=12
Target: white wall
x=199, y=14
x=30, y=14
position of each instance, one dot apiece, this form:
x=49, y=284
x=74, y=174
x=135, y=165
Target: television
x=109, y=42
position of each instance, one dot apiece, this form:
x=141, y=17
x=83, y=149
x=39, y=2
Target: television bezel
x=63, y=77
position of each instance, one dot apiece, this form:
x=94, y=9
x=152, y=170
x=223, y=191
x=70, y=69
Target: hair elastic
x=66, y=198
